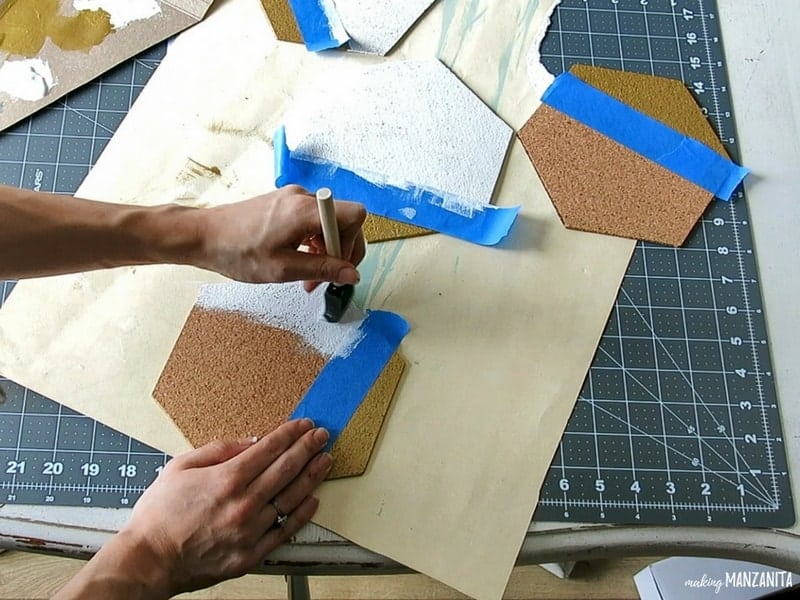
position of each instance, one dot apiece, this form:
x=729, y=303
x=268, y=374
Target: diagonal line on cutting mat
x=143, y=63
x=94, y=122
x=700, y=439
x=764, y=498
x=695, y=394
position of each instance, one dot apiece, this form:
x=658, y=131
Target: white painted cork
x=375, y=26
x=404, y=124
x=289, y=307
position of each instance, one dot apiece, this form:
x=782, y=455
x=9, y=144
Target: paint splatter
x=122, y=12
x=29, y=79
x=408, y=212
x=27, y=25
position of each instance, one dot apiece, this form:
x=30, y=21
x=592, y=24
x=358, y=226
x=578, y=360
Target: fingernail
x=321, y=436
x=249, y=441
x=309, y=422
x=326, y=462
x=347, y=276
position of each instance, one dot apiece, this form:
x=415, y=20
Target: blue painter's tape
x=317, y=31
x=486, y=225
x=344, y=382
x=644, y=135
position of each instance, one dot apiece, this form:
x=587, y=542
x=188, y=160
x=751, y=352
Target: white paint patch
x=375, y=26
x=404, y=124
x=30, y=79
x=287, y=306
x=338, y=30
x=122, y=12
x=408, y=212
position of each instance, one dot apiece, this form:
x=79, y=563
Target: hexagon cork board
x=406, y=138
x=250, y=355
x=599, y=184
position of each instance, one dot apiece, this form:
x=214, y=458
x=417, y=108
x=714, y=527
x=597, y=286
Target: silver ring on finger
x=281, y=518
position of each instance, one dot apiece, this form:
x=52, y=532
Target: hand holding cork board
x=247, y=356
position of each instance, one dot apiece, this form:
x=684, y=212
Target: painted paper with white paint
x=29, y=79
x=122, y=12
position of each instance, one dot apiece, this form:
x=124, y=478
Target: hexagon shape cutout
x=596, y=184
x=412, y=126
x=246, y=357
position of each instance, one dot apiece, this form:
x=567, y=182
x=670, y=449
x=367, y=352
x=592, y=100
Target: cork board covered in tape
x=250, y=357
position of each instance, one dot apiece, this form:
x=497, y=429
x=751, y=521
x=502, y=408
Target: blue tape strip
x=344, y=382
x=644, y=135
x=486, y=225
x=314, y=25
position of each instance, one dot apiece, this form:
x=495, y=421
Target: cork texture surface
x=381, y=229
x=229, y=377
x=598, y=185
x=281, y=17
x=354, y=446
x=666, y=100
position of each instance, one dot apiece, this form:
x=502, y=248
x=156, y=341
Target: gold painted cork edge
x=353, y=449
x=664, y=99
x=281, y=17
x=382, y=229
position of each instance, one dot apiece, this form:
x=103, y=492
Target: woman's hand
x=211, y=515
x=260, y=240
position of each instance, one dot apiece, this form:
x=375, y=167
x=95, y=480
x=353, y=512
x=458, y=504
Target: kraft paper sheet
x=501, y=337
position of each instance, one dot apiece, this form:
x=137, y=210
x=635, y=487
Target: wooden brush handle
x=330, y=228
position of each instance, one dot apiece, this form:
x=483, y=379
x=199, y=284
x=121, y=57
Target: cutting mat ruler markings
x=677, y=421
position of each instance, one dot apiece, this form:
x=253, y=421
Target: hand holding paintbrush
x=337, y=297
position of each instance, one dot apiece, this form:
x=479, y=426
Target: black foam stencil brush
x=337, y=297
